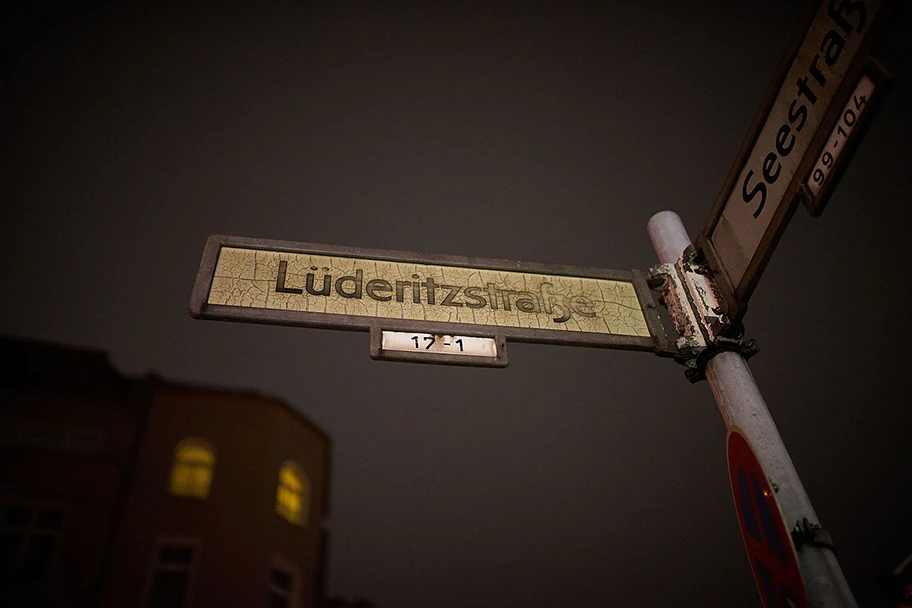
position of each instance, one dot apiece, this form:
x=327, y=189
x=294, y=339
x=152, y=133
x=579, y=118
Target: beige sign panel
x=784, y=142
x=337, y=285
x=379, y=291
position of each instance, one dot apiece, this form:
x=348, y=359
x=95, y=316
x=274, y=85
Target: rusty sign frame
x=736, y=296
x=657, y=342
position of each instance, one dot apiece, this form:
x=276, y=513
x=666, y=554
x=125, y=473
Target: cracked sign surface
x=363, y=287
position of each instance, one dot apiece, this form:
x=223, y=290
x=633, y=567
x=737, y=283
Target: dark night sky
x=575, y=477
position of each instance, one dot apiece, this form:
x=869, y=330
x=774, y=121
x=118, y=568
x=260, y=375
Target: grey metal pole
x=742, y=406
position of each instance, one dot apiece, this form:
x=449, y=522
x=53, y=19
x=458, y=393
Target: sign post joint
x=688, y=291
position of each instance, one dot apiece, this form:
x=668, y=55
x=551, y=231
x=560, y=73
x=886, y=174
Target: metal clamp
x=696, y=366
x=807, y=533
x=704, y=296
x=673, y=295
x=689, y=293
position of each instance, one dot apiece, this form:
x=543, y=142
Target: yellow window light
x=292, y=494
x=191, y=474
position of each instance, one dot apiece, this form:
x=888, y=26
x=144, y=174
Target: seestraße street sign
x=817, y=77
x=312, y=285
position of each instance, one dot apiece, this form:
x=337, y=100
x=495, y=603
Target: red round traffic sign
x=766, y=537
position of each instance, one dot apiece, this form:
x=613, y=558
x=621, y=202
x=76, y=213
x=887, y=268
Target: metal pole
x=742, y=405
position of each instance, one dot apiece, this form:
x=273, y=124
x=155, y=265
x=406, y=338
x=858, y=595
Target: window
x=292, y=494
x=173, y=563
x=45, y=437
x=38, y=435
x=191, y=474
x=29, y=536
x=283, y=584
x=86, y=440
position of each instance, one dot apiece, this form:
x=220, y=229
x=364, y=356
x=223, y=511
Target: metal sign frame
x=736, y=296
x=657, y=342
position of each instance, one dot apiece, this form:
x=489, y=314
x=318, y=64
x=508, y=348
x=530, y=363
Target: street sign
x=763, y=529
x=425, y=296
x=821, y=69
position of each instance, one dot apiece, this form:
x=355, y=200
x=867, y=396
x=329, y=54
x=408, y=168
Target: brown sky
x=575, y=477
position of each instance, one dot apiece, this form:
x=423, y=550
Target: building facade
x=126, y=492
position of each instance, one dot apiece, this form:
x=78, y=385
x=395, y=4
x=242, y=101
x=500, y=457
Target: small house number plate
x=438, y=344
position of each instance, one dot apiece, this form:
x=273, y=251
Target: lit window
x=292, y=494
x=192, y=472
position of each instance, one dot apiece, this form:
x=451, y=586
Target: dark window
x=37, y=557
x=176, y=555
x=172, y=569
x=8, y=433
x=82, y=440
x=18, y=516
x=50, y=519
x=51, y=438
x=38, y=435
x=169, y=588
x=280, y=579
x=277, y=601
x=10, y=543
x=29, y=536
x=281, y=585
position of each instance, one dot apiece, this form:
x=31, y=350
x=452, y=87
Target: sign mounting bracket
x=689, y=292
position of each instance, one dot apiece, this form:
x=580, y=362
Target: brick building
x=124, y=492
